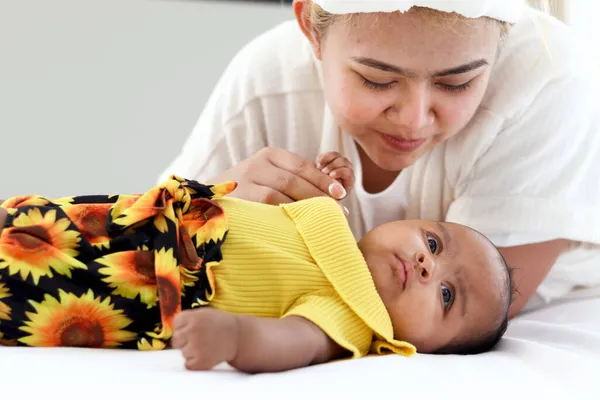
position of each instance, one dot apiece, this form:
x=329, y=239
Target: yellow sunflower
x=146, y=206
x=4, y=308
x=211, y=282
x=37, y=245
x=188, y=277
x=160, y=220
x=207, y=221
x=63, y=201
x=131, y=210
x=131, y=274
x=223, y=189
x=91, y=220
x=169, y=291
x=189, y=261
x=124, y=201
x=155, y=344
x=21, y=201
x=76, y=322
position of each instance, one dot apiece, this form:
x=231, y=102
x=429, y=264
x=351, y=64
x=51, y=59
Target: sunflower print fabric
x=108, y=271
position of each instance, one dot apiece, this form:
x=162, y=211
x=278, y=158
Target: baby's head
x=446, y=286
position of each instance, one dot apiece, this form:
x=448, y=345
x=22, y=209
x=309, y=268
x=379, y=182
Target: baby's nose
x=425, y=266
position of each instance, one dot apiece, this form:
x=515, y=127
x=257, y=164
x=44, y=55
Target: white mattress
x=552, y=352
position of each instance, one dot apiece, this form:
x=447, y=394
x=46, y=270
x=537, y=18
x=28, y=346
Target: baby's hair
x=486, y=342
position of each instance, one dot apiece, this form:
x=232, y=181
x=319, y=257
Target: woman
x=480, y=112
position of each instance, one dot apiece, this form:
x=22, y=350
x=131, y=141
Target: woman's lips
x=402, y=144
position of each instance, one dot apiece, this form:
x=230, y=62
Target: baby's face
x=441, y=283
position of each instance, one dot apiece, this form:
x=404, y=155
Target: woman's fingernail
x=337, y=191
x=346, y=212
x=319, y=166
x=325, y=170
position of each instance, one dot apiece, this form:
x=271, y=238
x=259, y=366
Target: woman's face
x=402, y=83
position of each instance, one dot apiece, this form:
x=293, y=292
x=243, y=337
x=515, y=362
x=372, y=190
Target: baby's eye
x=447, y=296
x=433, y=244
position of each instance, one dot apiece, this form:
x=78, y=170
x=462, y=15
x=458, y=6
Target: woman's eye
x=376, y=86
x=433, y=244
x=447, y=296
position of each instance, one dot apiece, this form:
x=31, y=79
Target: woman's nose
x=425, y=266
x=412, y=112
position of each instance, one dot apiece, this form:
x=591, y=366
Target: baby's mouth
x=400, y=272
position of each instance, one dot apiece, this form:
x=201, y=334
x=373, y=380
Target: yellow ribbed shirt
x=301, y=259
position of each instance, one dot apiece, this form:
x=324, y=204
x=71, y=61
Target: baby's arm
x=272, y=345
x=208, y=337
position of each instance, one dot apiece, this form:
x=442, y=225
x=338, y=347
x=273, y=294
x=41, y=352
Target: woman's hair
x=321, y=20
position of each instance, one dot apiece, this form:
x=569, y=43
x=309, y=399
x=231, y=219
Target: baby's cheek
x=413, y=319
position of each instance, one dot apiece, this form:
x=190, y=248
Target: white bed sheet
x=554, y=353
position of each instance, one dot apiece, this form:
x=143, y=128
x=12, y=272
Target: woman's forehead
x=379, y=34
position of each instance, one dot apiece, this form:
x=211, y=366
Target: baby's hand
x=206, y=337
x=338, y=167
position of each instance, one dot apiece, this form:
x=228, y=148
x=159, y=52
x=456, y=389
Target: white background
x=98, y=96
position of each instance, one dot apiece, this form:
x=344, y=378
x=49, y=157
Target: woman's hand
x=276, y=176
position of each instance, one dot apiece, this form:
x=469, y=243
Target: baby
x=263, y=288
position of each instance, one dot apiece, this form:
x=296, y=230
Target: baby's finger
x=340, y=162
x=326, y=158
x=345, y=175
x=178, y=341
x=193, y=363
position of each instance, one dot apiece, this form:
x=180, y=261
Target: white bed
x=553, y=353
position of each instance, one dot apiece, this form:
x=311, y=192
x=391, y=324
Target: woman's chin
x=392, y=162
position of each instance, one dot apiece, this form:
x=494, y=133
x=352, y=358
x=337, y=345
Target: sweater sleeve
x=329, y=312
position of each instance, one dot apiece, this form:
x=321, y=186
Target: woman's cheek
x=357, y=105
x=454, y=115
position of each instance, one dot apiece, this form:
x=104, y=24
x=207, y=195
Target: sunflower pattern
x=108, y=271
x=4, y=308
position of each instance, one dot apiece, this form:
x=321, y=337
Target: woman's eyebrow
x=461, y=69
x=383, y=66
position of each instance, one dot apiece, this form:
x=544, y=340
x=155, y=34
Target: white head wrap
x=503, y=10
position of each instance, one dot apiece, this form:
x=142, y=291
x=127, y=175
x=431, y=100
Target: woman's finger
x=267, y=195
x=312, y=182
